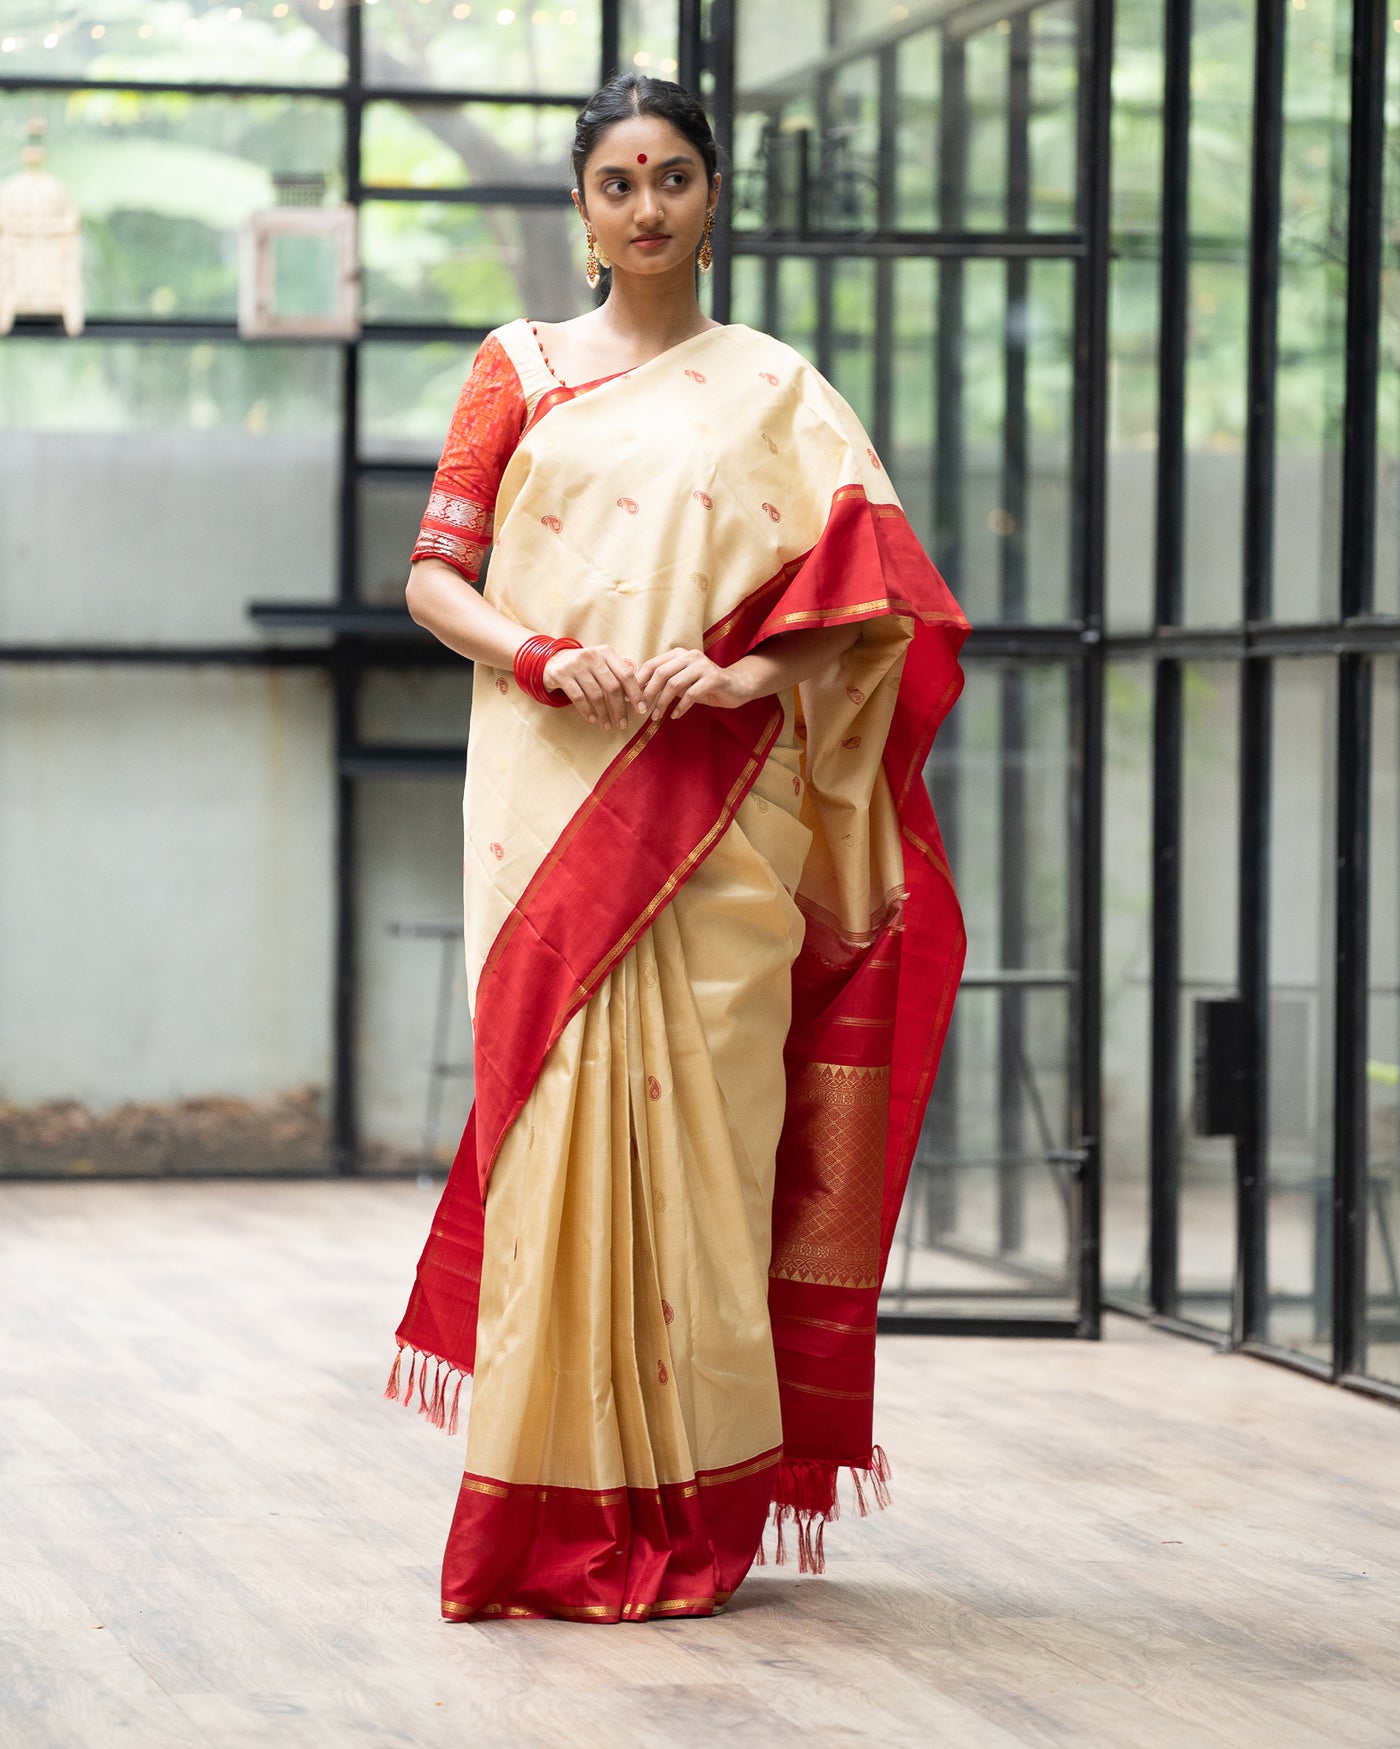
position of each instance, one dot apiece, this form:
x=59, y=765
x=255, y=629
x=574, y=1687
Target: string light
x=145, y=30
x=505, y=16
x=281, y=9
x=568, y=16
x=51, y=40
x=8, y=44
x=461, y=11
x=641, y=59
x=99, y=30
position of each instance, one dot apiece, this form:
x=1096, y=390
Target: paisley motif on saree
x=711, y=972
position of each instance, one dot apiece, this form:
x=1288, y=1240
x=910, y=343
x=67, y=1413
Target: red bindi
x=641, y=157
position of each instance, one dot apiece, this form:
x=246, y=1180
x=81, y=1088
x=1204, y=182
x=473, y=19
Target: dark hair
x=629, y=94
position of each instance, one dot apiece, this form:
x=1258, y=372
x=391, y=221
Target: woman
x=712, y=941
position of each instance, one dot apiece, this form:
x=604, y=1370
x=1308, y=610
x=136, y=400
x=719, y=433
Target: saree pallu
x=711, y=965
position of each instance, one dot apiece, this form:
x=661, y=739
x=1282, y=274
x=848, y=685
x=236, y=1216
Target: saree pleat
x=626, y=1367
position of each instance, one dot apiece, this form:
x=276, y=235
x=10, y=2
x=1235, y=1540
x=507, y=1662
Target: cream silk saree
x=711, y=966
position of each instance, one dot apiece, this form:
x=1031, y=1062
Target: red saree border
x=530, y=987
x=522, y=1550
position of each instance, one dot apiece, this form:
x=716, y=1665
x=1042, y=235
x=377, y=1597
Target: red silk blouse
x=486, y=427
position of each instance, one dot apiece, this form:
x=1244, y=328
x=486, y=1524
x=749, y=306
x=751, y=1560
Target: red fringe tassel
x=804, y=1495
x=431, y=1402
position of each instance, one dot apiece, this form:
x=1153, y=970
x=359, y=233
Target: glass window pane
x=1382, y=1356
x=916, y=167
x=853, y=335
x=1049, y=324
x=913, y=422
x=1222, y=89
x=254, y=42
x=229, y=492
x=407, y=395
x=1387, y=579
x=1053, y=124
x=1302, y=980
x=1311, y=382
x=413, y=1036
x=989, y=1218
x=1127, y=977
x=846, y=170
x=166, y=894
x=442, y=145
x=390, y=510
x=1134, y=313
x=797, y=304
x=775, y=41
x=1210, y=806
x=427, y=706
x=987, y=57
x=983, y=367
x=649, y=36
x=1014, y=551
x=473, y=266
x=164, y=183
x=483, y=47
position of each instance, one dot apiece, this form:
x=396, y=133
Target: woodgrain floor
x=213, y=1531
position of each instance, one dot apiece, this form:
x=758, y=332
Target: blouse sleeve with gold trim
x=486, y=427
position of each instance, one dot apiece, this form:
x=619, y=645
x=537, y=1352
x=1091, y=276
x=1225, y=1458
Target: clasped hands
x=608, y=689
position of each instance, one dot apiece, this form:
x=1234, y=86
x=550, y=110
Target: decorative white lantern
x=41, y=267
x=299, y=270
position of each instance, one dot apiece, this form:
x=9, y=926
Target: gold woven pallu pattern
x=836, y=1237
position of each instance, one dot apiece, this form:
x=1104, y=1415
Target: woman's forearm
x=444, y=603
x=790, y=658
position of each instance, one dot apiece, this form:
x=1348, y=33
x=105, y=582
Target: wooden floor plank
x=216, y=1532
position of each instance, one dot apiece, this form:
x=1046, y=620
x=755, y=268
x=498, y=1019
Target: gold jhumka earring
x=706, y=253
x=596, y=261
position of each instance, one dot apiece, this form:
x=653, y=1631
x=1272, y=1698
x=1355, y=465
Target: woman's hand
x=598, y=682
x=678, y=679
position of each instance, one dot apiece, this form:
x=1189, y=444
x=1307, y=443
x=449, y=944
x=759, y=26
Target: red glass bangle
x=532, y=658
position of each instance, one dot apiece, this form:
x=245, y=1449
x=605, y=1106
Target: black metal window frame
x=361, y=637
x=1076, y=643
x=1253, y=645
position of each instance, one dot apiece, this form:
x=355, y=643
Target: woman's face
x=644, y=192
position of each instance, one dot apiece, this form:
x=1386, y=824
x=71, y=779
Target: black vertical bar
x=1165, y=1154
x=1358, y=562
x=1087, y=563
x=1256, y=690
x=1266, y=178
x=948, y=468
x=344, y=1096
x=1173, y=315
x=609, y=40
x=1013, y=1046
x=1165, y=1024
x=1353, y=979
x=344, y=674
x=719, y=57
x=690, y=55
x=1251, y=1146
x=1364, y=254
x=882, y=412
